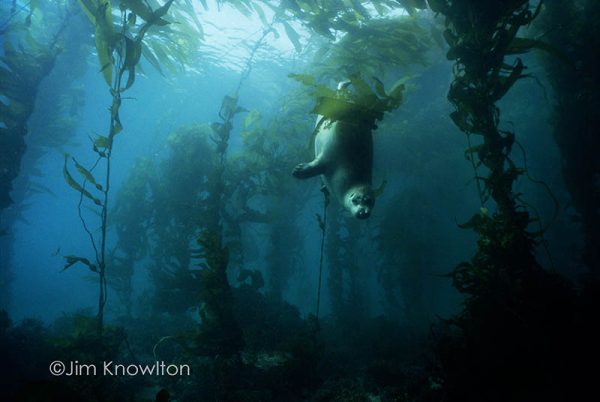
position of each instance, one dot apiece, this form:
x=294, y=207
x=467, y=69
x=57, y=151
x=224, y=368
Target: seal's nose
x=363, y=213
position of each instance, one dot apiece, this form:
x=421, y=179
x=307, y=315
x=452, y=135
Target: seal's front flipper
x=310, y=169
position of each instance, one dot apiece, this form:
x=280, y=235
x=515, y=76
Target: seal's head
x=359, y=200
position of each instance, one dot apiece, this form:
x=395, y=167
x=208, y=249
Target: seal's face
x=359, y=201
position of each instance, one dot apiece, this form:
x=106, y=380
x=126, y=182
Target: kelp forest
x=156, y=243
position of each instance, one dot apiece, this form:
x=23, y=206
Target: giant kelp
x=178, y=196
x=510, y=301
x=21, y=72
x=337, y=17
x=24, y=65
x=219, y=333
x=132, y=217
x=376, y=47
x=264, y=166
x=36, y=57
x=119, y=51
x=357, y=102
x=28, y=57
x=480, y=37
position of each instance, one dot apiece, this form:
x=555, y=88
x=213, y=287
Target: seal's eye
x=355, y=200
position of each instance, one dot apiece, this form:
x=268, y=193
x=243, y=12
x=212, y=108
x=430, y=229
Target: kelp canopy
x=157, y=176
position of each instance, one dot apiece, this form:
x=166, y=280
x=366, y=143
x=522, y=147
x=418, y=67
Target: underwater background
x=154, y=245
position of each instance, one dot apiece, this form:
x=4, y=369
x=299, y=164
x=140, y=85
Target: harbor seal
x=344, y=159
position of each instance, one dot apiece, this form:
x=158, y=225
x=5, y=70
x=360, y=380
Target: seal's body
x=344, y=159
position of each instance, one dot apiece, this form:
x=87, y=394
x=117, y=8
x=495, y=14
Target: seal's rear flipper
x=307, y=170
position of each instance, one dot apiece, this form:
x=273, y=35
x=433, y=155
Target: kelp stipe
x=119, y=51
x=219, y=333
